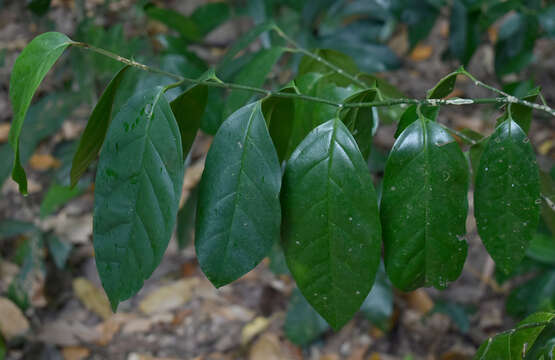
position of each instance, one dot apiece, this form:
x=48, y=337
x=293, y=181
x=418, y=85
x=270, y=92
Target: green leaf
x=310, y=64
x=411, y=115
x=253, y=74
x=507, y=195
x=386, y=91
x=29, y=69
x=521, y=114
x=56, y=196
x=59, y=250
x=458, y=314
x=542, y=248
x=444, y=87
x=522, y=340
x=538, y=294
x=303, y=324
x=360, y=121
x=95, y=132
x=213, y=114
x=331, y=229
x=547, y=20
x=209, y=16
x=11, y=228
x=185, y=26
x=515, y=46
x=2, y=348
x=544, y=346
x=242, y=43
x=378, y=306
x=238, y=212
x=420, y=16
x=496, y=348
x=188, y=109
x=39, y=7
x=464, y=30
x=547, y=183
x=424, y=207
x=186, y=219
x=138, y=186
x=280, y=116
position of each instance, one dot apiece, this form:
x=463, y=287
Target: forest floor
x=179, y=314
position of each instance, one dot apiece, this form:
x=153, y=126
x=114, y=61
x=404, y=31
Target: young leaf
x=238, y=211
x=188, y=109
x=424, y=207
x=360, y=121
x=280, y=115
x=331, y=229
x=507, y=195
x=95, y=132
x=444, y=87
x=29, y=69
x=253, y=74
x=138, y=184
x=303, y=325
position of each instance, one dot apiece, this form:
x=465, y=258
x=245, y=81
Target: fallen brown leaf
x=75, y=353
x=268, y=347
x=42, y=162
x=12, y=321
x=421, y=52
x=420, y=301
x=92, y=297
x=168, y=297
x=253, y=328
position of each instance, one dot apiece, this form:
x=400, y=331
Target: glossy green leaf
x=411, y=115
x=464, y=30
x=444, y=87
x=95, y=132
x=138, y=186
x=303, y=324
x=238, y=211
x=507, y=195
x=378, y=305
x=29, y=69
x=56, y=196
x=279, y=114
x=360, y=121
x=253, y=74
x=520, y=341
x=213, y=114
x=424, y=208
x=58, y=249
x=544, y=346
x=188, y=109
x=186, y=219
x=387, y=114
x=331, y=229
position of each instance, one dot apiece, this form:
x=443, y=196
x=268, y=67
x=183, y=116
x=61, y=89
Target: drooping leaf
x=186, y=219
x=303, y=324
x=138, y=186
x=29, y=69
x=95, y=132
x=331, y=230
x=444, y=87
x=507, y=195
x=188, y=109
x=56, y=196
x=378, y=305
x=424, y=208
x=253, y=74
x=238, y=211
x=279, y=114
x=411, y=115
